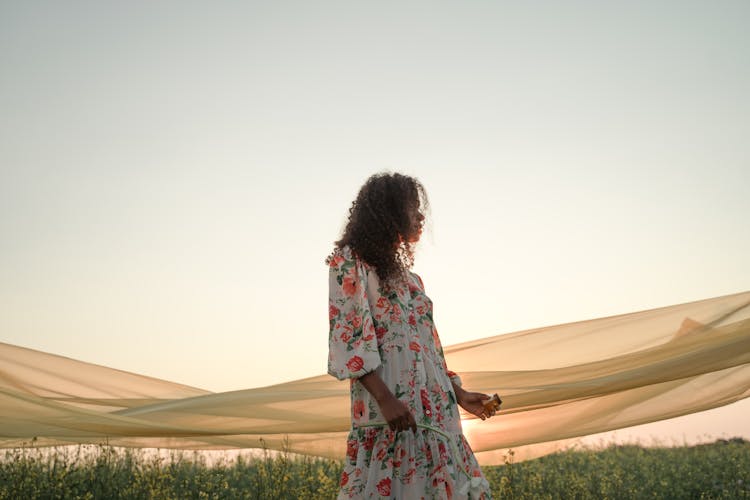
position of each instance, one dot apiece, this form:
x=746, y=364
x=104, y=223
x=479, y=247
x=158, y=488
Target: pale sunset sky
x=173, y=174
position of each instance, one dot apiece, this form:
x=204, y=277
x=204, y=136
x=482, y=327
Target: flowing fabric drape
x=557, y=383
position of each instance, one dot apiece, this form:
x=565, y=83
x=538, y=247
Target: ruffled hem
x=427, y=464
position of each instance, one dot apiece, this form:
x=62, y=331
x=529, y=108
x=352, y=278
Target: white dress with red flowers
x=395, y=336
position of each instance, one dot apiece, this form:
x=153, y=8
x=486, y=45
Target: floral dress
x=394, y=335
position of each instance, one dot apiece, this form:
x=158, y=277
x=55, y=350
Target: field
x=717, y=470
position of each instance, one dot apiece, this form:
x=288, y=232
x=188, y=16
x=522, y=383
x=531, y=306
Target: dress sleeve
x=454, y=377
x=352, y=344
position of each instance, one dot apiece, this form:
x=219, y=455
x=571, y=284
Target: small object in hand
x=493, y=404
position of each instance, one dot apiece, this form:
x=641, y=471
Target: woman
x=406, y=439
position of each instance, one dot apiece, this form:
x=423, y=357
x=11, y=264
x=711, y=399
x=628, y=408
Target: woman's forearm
x=376, y=387
x=458, y=391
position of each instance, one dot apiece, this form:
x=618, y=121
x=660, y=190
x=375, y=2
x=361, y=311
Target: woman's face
x=416, y=220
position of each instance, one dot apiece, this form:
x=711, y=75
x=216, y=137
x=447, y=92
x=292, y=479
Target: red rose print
x=380, y=331
x=349, y=285
x=358, y=409
x=409, y=475
x=344, y=479
x=384, y=487
x=412, y=321
x=357, y=321
x=336, y=261
x=345, y=336
x=351, y=449
x=443, y=451
x=355, y=364
x=369, y=441
x=332, y=312
x=414, y=346
x=383, y=303
x=381, y=453
x=396, y=314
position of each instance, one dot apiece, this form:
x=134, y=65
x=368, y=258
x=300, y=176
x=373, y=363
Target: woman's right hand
x=395, y=411
x=397, y=414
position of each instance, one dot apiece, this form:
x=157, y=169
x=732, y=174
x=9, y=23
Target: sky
x=173, y=174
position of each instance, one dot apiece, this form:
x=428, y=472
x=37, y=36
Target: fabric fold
x=556, y=382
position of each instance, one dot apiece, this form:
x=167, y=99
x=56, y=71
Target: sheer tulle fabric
x=557, y=383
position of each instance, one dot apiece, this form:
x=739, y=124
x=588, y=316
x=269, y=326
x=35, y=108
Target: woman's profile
x=406, y=439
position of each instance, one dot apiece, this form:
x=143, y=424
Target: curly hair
x=381, y=225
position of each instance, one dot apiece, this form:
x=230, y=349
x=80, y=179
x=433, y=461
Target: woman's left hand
x=473, y=402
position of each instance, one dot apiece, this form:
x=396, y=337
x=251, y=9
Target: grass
x=717, y=470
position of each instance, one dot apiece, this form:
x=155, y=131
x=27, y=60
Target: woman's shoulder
x=339, y=253
x=415, y=281
x=344, y=256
